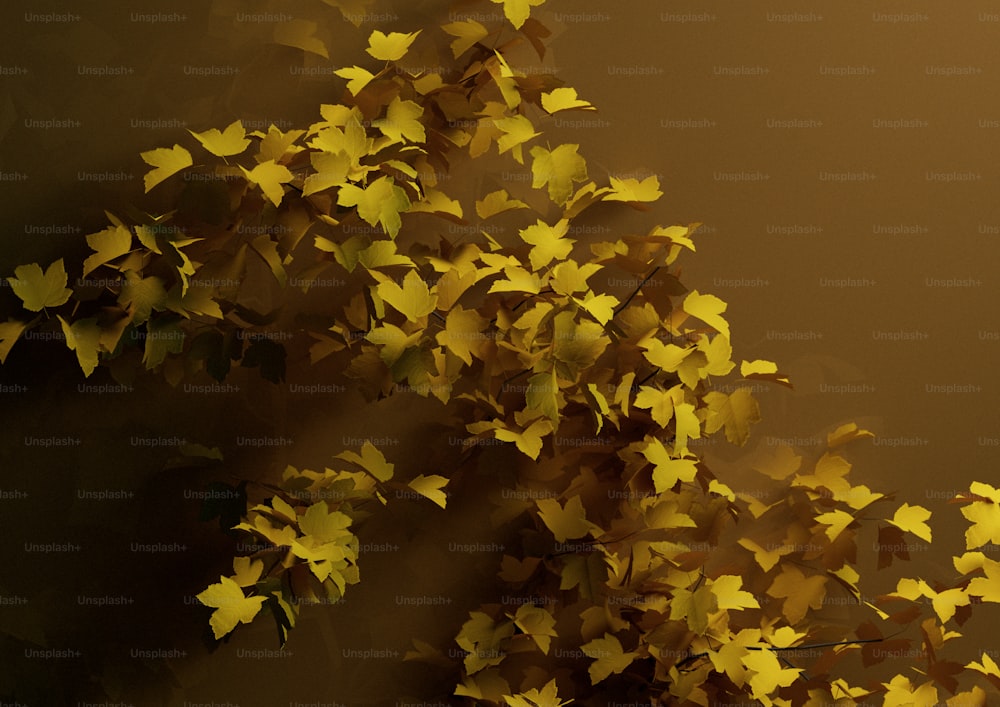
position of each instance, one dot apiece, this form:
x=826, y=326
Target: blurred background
x=843, y=161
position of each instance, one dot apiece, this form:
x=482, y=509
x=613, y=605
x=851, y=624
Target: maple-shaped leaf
x=609, y=657
x=167, y=161
x=142, y=295
x=108, y=244
x=437, y=202
x=276, y=145
x=332, y=169
x=667, y=471
x=557, y=168
x=767, y=558
x=729, y=595
x=518, y=11
x=461, y=333
x=633, y=191
x=548, y=696
x=846, y=433
x=709, y=309
x=987, y=667
x=779, y=464
x=414, y=298
x=381, y=202
x=836, y=522
x=767, y=674
x=231, y=606
x=38, y=289
x=430, y=487
x=357, y=78
x=483, y=638
x=984, y=513
x=401, y=122
x=799, y=592
x=987, y=587
x=269, y=176
x=564, y=98
x=565, y=522
x=911, y=519
x=900, y=692
x=517, y=130
x=694, y=607
x=660, y=403
x=371, y=460
x=497, y=202
x=537, y=623
x=231, y=141
x=736, y=411
x=467, y=34
x=390, y=47
x=549, y=242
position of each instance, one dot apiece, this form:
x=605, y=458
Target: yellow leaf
x=569, y=277
x=767, y=559
x=528, y=441
x=987, y=587
x=232, y=141
x=707, y=308
x=517, y=280
x=800, y=593
x=984, y=515
x=767, y=674
x=911, y=519
x=634, y=191
x=845, y=433
x=718, y=352
x=497, y=202
x=609, y=657
x=10, y=331
x=987, y=667
x=390, y=47
x=695, y=607
x=549, y=242
x=686, y=426
x=779, y=464
x=300, y=34
x=141, y=296
x=83, y=337
x=558, y=169
x=729, y=595
x=371, y=460
x=537, y=623
x=331, y=171
x=380, y=202
x=969, y=562
x=437, y=202
x=601, y=307
x=836, y=521
x=393, y=341
x=565, y=522
x=564, y=98
x=468, y=33
x=517, y=130
x=109, y=244
x=461, y=333
x=413, y=299
x=247, y=571
x=231, y=606
x=275, y=145
x=666, y=471
x=430, y=487
x=666, y=357
x=269, y=176
x=167, y=161
x=357, y=78
x=401, y=122
x=518, y=11
x=660, y=403
x=736, y=411
x=546, y=697
x=38, y=290
x=901, y=693
x=763, y=370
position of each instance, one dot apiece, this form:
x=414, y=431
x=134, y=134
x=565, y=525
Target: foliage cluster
x=660, y=579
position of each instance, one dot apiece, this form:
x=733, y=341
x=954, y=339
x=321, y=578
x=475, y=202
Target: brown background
x=851, y=222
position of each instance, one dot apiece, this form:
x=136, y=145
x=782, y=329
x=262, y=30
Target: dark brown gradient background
x=842, y=156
